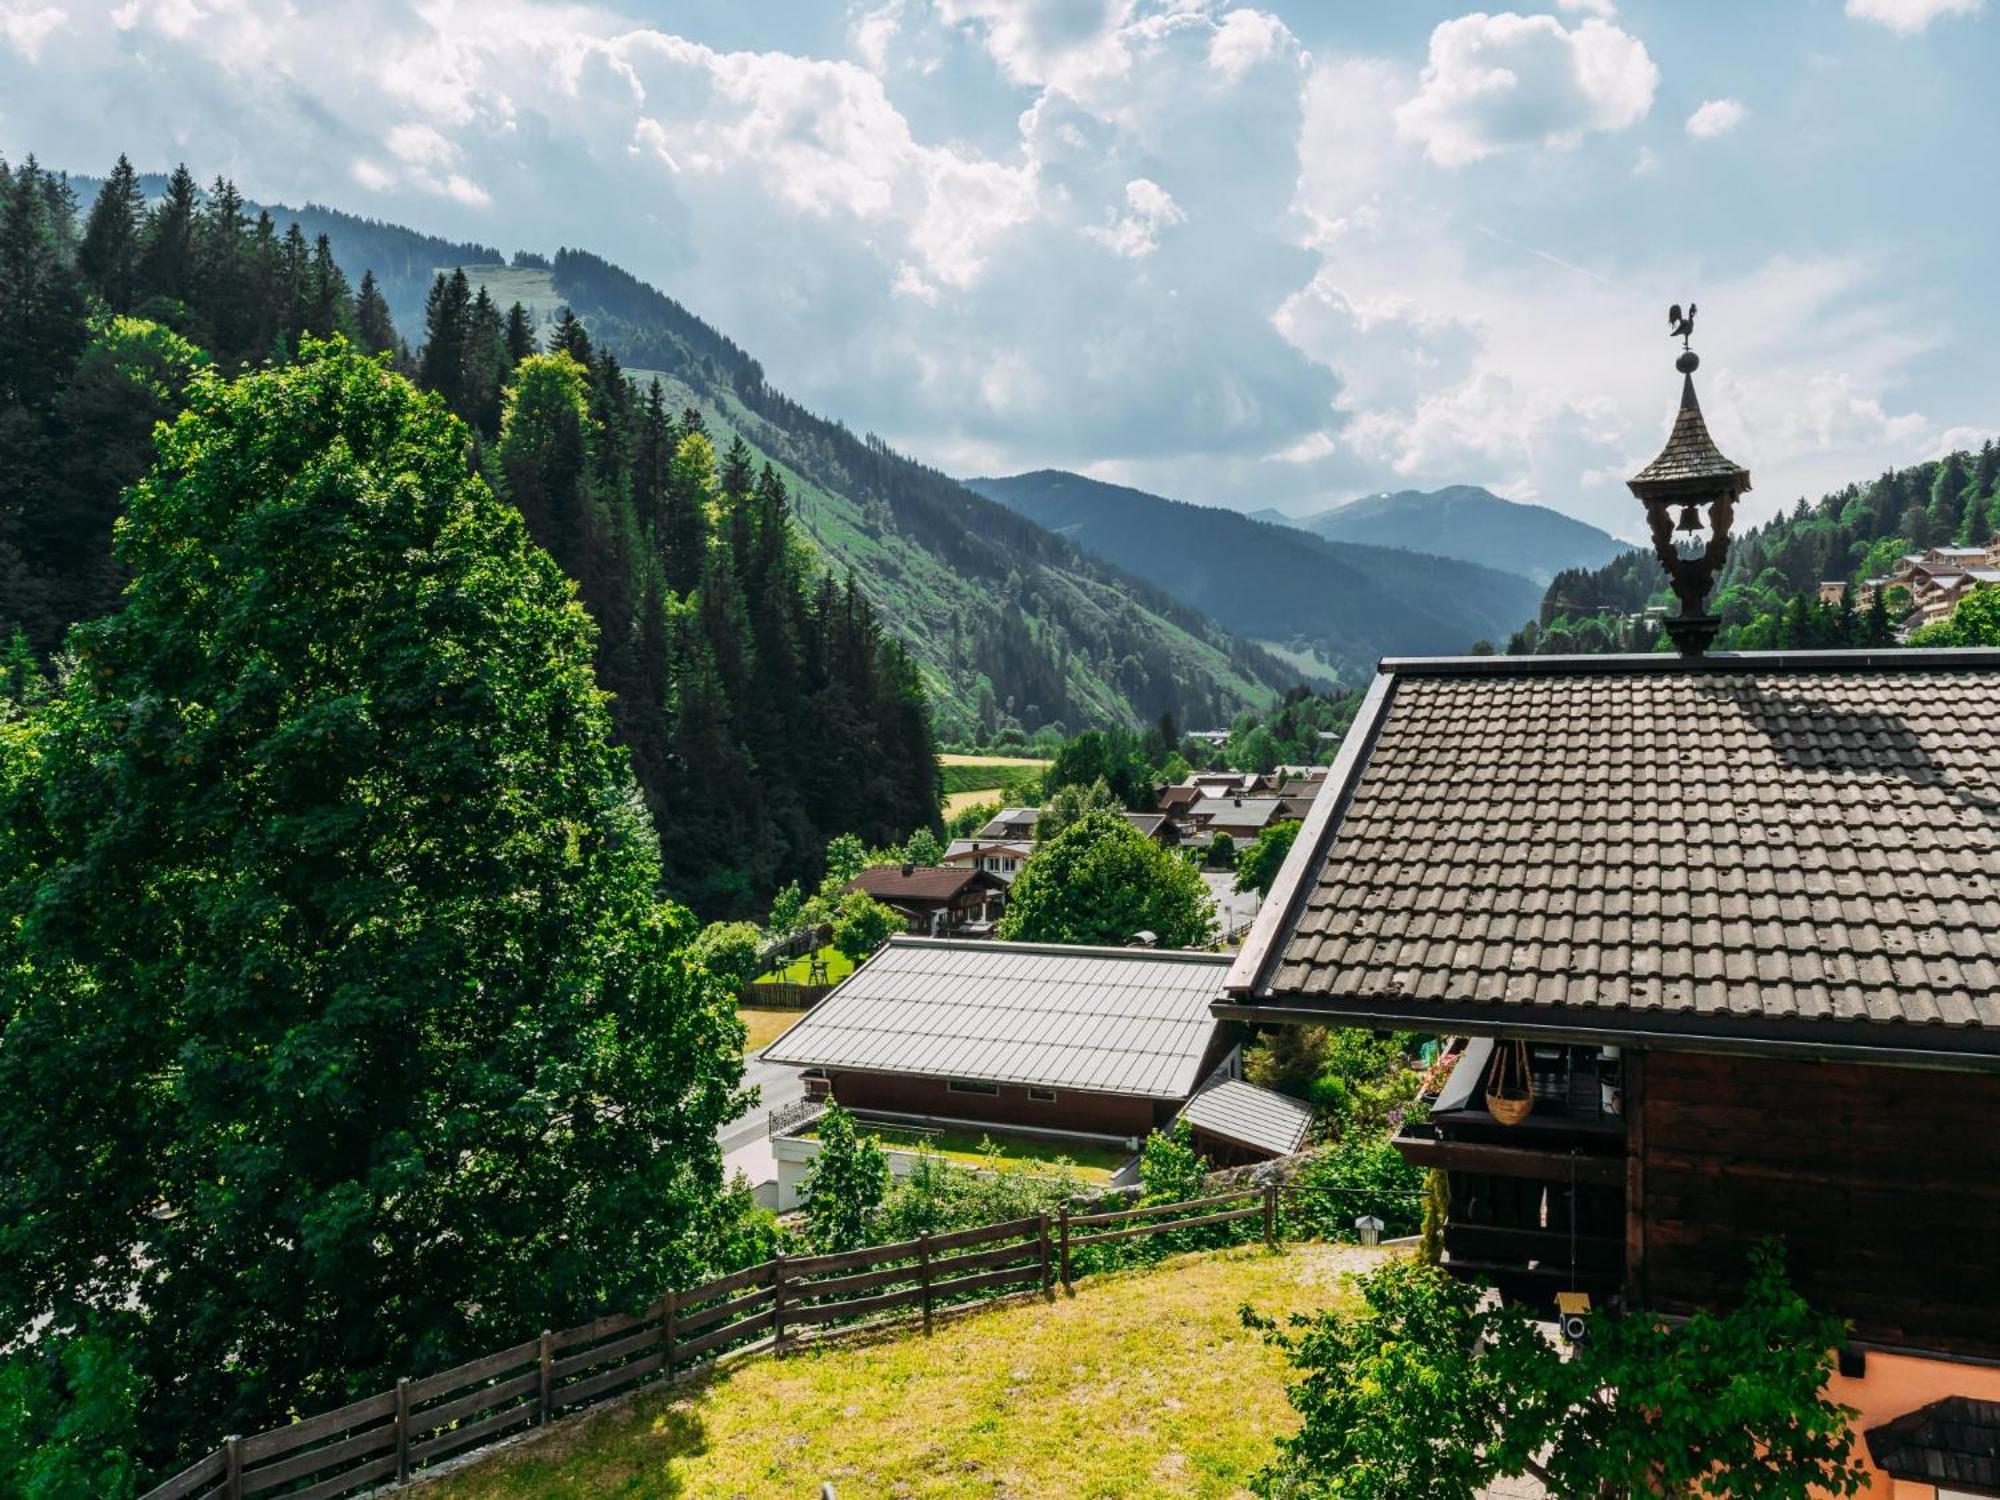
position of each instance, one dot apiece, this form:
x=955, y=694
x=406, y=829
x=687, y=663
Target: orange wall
x=1896, y=1385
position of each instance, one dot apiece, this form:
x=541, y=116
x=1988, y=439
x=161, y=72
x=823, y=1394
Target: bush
x=729, y=951
x=844, y=1183
x=1362, y=1174
x=941, y=1195
x=1222, y=852
x=1101, y=881
x=861, y=924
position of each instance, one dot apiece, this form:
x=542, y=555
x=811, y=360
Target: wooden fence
x=778, y=994
x=388, y=1438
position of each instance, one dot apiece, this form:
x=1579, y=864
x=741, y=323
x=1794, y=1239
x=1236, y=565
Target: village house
x=1725, y=934
x=999, y=859
x=1099, y=1046
x=1936, y=580
x=937, y=900
x=1012, y=825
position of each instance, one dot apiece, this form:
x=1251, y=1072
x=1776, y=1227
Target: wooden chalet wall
x=1883, y=1182
x=1071, y=1109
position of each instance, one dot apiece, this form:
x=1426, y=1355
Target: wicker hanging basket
x=1510, y=1088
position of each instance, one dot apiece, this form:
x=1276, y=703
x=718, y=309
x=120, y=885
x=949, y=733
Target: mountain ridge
x=1468, y=522
x=1351, y=603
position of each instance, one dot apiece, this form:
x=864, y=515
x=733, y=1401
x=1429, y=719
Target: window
x=969, y=1086
x=1042, y=1096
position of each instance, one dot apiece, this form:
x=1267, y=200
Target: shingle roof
x=1101, y=1020
x=1250, y=1116
x=1742, y=844
x=1690, y=457
x=1954, y=1443
x=924, y=883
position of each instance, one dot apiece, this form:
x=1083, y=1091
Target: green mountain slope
x=1470, y=523
x=1349, y=605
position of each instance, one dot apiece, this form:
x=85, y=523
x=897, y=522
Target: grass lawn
x=763, y=1026
x=1093, y=1163
x=1144, y=1383
x=957, y=802
x=838, y=967
x=993, y=760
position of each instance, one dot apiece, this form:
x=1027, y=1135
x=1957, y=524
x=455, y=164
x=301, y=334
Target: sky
x=1274, y=255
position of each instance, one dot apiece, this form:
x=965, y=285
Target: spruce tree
x=169, y=258
x=518, y=335
x=447, y=331
x=375, y=330
x=109, y=254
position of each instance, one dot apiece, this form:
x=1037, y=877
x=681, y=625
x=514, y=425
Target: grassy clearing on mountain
x=1144, y=1383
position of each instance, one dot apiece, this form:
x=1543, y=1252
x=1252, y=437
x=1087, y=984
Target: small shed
x=1236, y=1122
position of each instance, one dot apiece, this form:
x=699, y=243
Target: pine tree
x=169, y=259
x=374, y=329
x=109, y=254
x=329, y=302
x=486, y=365
x=225, y=276
x=447, y=332
x=569, y=337
x=519, y=336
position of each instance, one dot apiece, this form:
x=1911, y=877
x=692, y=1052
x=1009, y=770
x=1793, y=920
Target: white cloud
x=873, y=30
x=24, y=26
x=1244, y=39
x=1493, y=83
x=1602, y=8
x=1909, y=17
x=1646, y=163
x=1715, y=117
x=1136, y=233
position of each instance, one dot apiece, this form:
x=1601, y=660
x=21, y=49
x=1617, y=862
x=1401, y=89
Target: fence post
x=232, y=1467
x=667, y=1362
x=924, y=1273
x=402, y=1428
x=1068, y=1286
x=1271, y=1215
x=1042, y=1246
x=545, y=1405
x=777, y=1300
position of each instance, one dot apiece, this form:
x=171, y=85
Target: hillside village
x=575, y=923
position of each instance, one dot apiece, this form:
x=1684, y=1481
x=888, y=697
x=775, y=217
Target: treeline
x=1768, y=592
x=764, y=708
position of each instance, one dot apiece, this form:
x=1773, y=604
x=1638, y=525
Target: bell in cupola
x=1690, y=478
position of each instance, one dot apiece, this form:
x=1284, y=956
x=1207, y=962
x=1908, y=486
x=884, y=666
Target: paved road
x=776, y=1086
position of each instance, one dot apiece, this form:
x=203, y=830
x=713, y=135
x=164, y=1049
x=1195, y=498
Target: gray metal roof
x=1250, y=1116
x=1101, y=1020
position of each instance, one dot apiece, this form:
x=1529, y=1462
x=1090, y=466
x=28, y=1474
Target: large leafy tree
x=344, y=1034
x=1424, y=1389
x=1101, y=881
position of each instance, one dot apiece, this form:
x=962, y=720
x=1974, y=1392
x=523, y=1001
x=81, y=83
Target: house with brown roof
x=1003, y=859
x=937, y=900
x=1723, y=933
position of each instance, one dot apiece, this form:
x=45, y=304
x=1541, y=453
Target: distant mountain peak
x=1471, y=523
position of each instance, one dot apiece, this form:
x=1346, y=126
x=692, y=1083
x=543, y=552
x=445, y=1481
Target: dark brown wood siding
x=1095, y=1114
x=1883, y=1182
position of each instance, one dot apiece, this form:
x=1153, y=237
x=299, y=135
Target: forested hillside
x=1006, y=623
x=763, y=706
x=1338, y=604
x=1768, y=593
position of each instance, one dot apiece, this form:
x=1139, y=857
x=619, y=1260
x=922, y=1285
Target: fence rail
x=387, y=1438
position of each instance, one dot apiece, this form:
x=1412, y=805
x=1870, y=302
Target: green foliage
x=1423, y=1393
x=861, y=924
x=1359, y=1174
x=1070, y=803
x=1257, y=867
x=328, y=919
x=1017, y=786
x=1975, y=622
x=1116, y=757
x=1101, y=881
x=923, y=848
x=1437, y=1209
x=844, y=1183
x=940, y=1195
x=1354, y=1078
x=787, y=909
x=729, y=951
x=846, y=857
x=1170, y=1169
x=69, y=1419
x=1222, y=852
x=967, y=821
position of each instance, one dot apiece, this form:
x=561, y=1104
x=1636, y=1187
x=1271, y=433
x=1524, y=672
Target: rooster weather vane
x=1679, y=327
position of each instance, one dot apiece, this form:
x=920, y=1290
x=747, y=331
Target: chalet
x=936, y=899
x=1102, y=1045
x=1234, y=1123
x=1000, y=859
x=1242, y=818
x=1725, y=934
x=1154, y=826
x=1012, y=825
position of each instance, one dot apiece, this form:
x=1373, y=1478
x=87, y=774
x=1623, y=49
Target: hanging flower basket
x=1510, y=1087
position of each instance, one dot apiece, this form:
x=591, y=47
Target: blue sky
x=1247, y=255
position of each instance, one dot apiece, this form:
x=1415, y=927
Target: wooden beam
x=1512, y=1161
x=1634, y=1062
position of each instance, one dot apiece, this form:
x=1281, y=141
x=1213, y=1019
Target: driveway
x=746, y=1143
